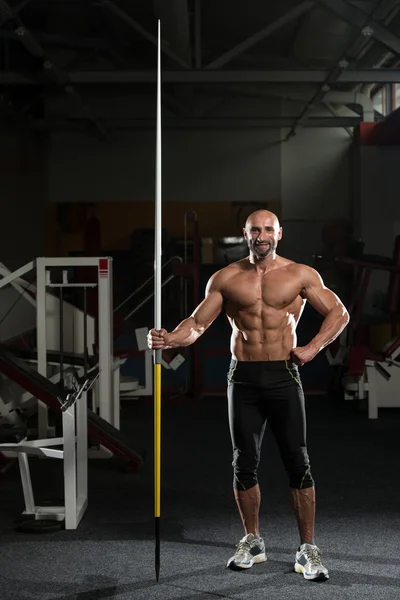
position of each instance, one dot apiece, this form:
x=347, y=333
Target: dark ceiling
x=81, y=49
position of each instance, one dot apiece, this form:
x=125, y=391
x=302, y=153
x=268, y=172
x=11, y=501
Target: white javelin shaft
x=158, y=220
x=157, y=310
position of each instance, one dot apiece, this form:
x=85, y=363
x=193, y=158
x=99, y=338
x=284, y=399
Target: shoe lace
x=243, y=546
x=314, y=556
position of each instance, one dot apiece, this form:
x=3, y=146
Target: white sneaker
x=308, y=562
x=249, y=550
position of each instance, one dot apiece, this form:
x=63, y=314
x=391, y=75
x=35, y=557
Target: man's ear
x=280, y=233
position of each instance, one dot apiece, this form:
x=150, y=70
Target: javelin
x=157, y=319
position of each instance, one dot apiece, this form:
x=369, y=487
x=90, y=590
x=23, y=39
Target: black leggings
x=261, y=392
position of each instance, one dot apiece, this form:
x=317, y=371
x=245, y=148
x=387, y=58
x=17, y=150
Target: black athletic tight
x=261, y=392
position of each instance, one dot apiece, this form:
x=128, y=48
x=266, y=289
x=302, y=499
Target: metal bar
x=71, y=261
x=26, y=481
x=260, y=35
x=85, y=348
x=336, y=71
x=335, y=114
x=41, y=341
x=105, y=339
x=199, y=76
x=16, y=274
x=33, y=450
x=226, y=76
x=61, y=342
x=158, y=210
x=145, y=283
x=388, y=98
x=221, y=123
x=356, y=16
x=81, y=453
x=70, y=479
x=135, y=25
x=197, y=34
x=116, y=383
x=372, y=392
x=147, y=299
x=27, y=446
x=50, y=72
x=49, y=453
x=63, y=40
x=71, y=285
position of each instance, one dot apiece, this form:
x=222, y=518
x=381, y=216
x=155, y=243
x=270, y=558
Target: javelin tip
x=157, y=539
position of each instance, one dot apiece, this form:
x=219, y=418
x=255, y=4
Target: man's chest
x=275, y=290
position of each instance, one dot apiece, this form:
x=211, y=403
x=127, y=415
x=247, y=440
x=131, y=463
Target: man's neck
x=262, y=265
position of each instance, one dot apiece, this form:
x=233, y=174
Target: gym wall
x=198, y=166
x=378, y=210
x=119, y=219
x=210, y=172
x=305, y=180
x=24, y=201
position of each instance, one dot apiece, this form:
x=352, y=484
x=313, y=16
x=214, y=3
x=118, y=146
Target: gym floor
x=111, y=555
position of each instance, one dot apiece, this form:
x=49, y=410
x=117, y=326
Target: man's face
x=262, y=236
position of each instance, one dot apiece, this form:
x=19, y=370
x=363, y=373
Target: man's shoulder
x=294, y=267
x=289, y=265
x=306, y=274
x=224, y=274
x=299, y=271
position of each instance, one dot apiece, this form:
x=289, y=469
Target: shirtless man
x=264, y=296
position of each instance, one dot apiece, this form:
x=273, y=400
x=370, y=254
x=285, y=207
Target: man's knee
x=244, y=471
x=299, y=470
x=301, y=481
x=243, y=481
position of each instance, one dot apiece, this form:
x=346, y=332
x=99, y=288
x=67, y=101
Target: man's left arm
x=329, y=305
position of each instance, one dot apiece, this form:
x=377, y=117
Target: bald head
x=262, y=233
x=262, y=216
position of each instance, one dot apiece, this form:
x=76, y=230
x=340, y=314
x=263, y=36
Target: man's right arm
x=190, y=329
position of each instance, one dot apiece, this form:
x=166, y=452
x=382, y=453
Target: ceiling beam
x=218, y=123
x=261, y=35
x=55, y=39
x=175, y=26
x=337, y=70
x=198, y=54
x=175, y=31
x=146, y=34
x=355, y=16
x=50, y=72
x=208, y=76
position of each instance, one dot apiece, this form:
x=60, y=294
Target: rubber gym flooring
x=355, y=463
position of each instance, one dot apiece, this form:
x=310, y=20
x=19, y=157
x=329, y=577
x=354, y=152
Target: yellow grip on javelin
x=157, y=439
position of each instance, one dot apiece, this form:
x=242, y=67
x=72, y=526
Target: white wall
x=316, y=184
x=23, y=197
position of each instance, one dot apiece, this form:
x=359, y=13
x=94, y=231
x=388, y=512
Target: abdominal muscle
x=263, y=343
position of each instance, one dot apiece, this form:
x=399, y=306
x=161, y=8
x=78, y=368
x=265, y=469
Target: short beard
x=253, y=249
